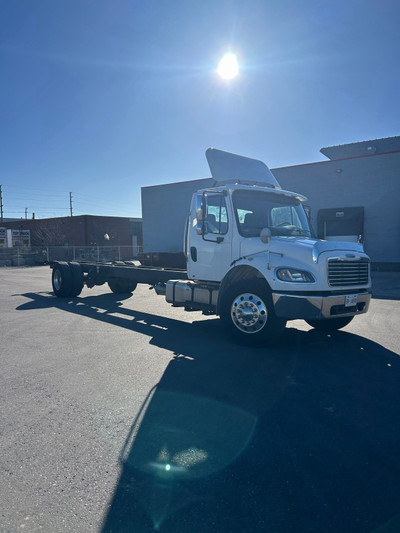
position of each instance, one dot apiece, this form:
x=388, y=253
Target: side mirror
x=199, y=214
x=265, y=235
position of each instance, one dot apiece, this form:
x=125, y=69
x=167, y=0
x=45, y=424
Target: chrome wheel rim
x=249, y=313
x=57, y=280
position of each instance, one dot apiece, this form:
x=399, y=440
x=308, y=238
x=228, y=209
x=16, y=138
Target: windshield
x=256, y=210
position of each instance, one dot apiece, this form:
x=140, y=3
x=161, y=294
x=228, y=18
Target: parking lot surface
x=125, y=414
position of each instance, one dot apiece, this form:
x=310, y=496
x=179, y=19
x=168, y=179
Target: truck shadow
x=302, y=436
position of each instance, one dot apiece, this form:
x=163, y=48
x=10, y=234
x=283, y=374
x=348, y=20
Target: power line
x=98, y=198
x=24, y=195
x=87, y=204
x=37, y=207
x=22, y=188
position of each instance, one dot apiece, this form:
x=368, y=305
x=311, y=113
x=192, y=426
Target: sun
x=228, y=67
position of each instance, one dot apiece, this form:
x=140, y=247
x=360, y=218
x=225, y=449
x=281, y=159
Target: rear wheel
x=330, y=324
x=62, y=280
x=248, y=313
x=122, y=287
x=77, y=278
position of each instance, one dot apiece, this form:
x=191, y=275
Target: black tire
x=122, y=287
x=259, y=326
x=62, y=280
x=330, y=324
x=77, y=279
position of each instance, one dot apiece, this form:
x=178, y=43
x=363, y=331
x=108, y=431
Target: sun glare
x=228, y=67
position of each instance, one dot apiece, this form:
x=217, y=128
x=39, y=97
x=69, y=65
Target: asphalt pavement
x=127, y=415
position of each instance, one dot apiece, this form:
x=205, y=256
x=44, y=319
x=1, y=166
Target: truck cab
x=253, y=243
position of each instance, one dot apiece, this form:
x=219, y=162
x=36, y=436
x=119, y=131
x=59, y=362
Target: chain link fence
x=40, y=255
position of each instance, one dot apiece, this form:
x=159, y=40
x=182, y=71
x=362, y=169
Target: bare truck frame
x=68, y=279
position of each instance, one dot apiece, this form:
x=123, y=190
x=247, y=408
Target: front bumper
x=310, y=307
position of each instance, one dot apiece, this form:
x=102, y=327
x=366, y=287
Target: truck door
x=209, y=248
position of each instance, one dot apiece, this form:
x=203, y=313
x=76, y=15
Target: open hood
x=226, y=167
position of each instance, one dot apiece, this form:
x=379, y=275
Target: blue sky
x=103, y=97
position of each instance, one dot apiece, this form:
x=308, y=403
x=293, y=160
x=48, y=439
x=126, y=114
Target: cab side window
x=217, y=216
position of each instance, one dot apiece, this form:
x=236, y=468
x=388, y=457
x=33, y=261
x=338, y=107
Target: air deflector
x=232, y=168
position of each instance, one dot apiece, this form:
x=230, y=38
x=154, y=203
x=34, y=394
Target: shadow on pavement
x=302, y=436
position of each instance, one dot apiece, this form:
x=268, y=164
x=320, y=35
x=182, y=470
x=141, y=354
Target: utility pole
x=70, y=203
x=1, y=204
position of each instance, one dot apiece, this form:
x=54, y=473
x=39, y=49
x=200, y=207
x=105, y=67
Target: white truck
x=251, y=258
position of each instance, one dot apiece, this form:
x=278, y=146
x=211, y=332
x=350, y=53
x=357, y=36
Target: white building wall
x=164, y=212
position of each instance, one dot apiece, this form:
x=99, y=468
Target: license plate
x=350, y=300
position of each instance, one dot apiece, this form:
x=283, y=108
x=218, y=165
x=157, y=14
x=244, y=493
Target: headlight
x=293, y=275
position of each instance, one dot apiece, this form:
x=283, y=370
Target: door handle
x=193, y=253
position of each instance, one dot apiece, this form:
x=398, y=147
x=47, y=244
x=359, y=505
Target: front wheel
x=330, y=324
x=248, y=314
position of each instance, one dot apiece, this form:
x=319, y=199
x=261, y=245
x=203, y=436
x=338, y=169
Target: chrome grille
x=343, y=272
